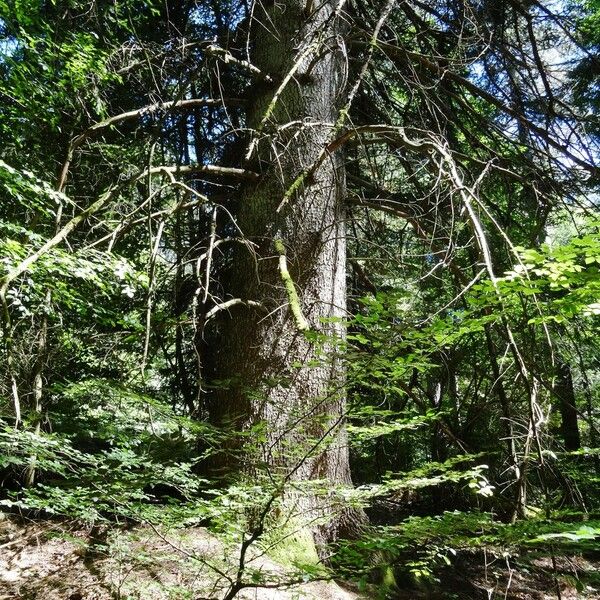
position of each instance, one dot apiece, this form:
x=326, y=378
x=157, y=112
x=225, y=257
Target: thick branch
x=134, y=114
x=216, y=170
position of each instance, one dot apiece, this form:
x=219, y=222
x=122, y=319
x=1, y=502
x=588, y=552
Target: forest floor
x=52, y=560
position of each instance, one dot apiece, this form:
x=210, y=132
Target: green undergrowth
x=419, y=547
x=122, y=455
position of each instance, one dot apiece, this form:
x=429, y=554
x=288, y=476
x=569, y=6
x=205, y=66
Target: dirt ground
x=51, y=560
x=45, y=560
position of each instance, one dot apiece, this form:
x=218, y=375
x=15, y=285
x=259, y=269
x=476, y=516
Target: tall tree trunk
x=274, y=370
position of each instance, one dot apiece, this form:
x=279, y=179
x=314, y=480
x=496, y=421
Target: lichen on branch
x=290, y=288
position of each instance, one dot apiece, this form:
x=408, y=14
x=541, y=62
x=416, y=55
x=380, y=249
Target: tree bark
x=268, y=367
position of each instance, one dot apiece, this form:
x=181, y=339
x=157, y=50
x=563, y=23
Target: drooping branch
x=408, y=57
x=398, y=134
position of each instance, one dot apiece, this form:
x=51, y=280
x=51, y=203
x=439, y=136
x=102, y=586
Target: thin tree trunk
x=507, y=425
x=565, y=393
x=38, y=386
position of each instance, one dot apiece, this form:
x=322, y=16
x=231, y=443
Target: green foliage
x=422, y=546
x=564, y=277
x=116, y=451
